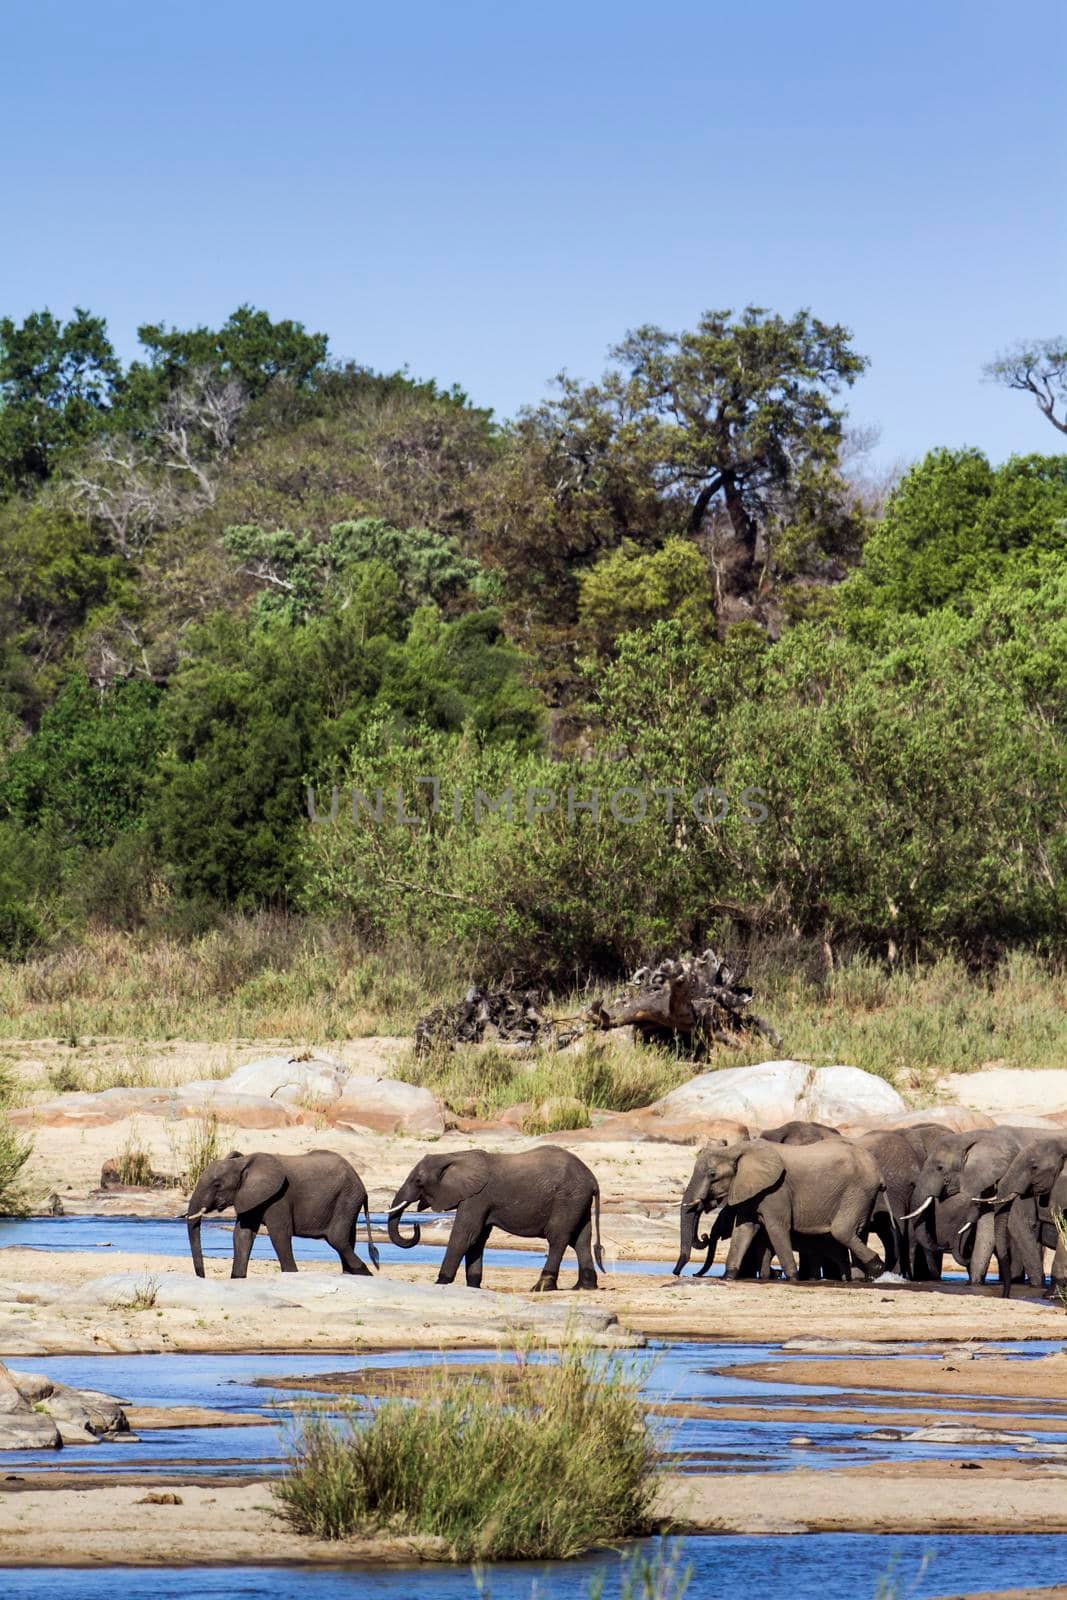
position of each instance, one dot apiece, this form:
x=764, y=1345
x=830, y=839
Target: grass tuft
x=539, y=1462
x=196, y=1148
x=134, y=1162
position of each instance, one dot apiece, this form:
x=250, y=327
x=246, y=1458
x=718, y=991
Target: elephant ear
x=456, y=1179
x=980, y=1171
x=262, y=1178
x=759, y=1167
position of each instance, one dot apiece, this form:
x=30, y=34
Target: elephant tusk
x=966, y=1227
x=396, y=1210
x=194, y=1216
x=920, y=1211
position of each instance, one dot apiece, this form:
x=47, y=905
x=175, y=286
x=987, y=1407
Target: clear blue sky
x=487, y=192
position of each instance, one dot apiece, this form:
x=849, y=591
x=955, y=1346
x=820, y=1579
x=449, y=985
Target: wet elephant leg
x=244, y=1237
x=467, y=1226
x=982, y=1250
x=742, y=1237
x=549, y=1278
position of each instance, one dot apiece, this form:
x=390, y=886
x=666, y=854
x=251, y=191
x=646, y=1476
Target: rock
x=11, y=1400
x=28, y=1430
x=74, y=1433
x=514, y=1116
x=386, y=1105
x=314, y=1082
x=776, y=1091
x=198, y=1099
x=944, y=1434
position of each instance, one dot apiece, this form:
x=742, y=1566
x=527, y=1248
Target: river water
x=712, y=1376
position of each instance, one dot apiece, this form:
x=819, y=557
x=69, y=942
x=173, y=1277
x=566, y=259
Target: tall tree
x=249, y=350
x=738, y=413
x=57, y=383
x=1038, y=369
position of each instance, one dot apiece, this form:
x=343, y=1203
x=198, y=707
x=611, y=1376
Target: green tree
x=630, y=588
x=738, y=412
x=58, y=382
x=81, y=779
x=249, y=349
x=1038, y=369
x=954, y=525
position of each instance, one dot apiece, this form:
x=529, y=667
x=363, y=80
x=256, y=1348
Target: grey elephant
x=829, y=1190
x=970, y=1165
x=545, y=1193
x=899, y=1163
x=317, y=1196
x=1030, y=1194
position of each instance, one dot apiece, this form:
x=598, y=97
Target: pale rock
x=314, y=1083
x=387, y=1105
x=777, y=1091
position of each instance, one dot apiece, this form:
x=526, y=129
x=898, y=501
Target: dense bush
x=538, y=1461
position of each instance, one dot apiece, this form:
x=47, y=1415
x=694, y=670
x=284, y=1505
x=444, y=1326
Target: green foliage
x=57, y=381
x=954, y=526
x=249, y=348
x=82, y=777
x=539, y=1461
x=261, y=711
x=302, y=576
x=629, y=588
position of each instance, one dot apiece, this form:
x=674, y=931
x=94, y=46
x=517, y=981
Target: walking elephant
x=317, y=1196
x=968, y=1164
x=829, y=1189
x=1030, y=1195
x=545, y=1193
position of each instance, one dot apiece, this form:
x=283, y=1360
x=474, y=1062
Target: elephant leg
x=281, y=1238
x=582, y=1242
x=549, y=1278
x=472, y=1261
x=244, y=1236
x=1025, y=1245
x=341, y=1237
x=781, y=1242
x=742, y=1237
x=845, y=1229
x=465, y=1229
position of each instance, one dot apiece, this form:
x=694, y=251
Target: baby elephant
x=317, y=1196
x=542, y=1194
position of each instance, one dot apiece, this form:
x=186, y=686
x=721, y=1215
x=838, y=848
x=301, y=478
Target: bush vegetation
x=540, y=1461
x=236, y=570
x=15, y=1150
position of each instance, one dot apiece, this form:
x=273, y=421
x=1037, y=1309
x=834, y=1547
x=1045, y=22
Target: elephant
x=829, y=1189
x=800, y=1133
x=757, y=1258
x=1029, y=1196
x=968, y=1164
x=541, y=1194
x=317, y=1196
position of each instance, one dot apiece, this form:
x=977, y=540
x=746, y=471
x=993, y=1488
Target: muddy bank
x=981, y=1375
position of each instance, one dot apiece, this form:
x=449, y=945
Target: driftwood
x=493, y=1016
x=692, y=1003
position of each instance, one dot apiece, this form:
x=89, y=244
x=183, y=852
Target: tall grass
x=269, y=977
x=542, y=1461
x=479, y=1081
x=198, y=1144
x=15, y=1151
x=134, y=1161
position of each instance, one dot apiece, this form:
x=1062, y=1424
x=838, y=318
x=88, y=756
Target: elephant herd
x=812, y=1198
x=802, y=1193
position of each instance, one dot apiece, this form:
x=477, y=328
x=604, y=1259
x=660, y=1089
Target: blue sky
x=489, y=193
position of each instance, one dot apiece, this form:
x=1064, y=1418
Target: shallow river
x=804, y=1567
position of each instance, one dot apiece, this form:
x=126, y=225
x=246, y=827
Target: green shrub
x=539, y=1462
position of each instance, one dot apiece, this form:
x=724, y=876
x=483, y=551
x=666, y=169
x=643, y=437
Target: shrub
x=197, y=1149
x=539, y=1461
x=134, y=1162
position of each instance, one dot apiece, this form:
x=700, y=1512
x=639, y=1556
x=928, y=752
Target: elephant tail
x=598, y=1254
x=372, y=1248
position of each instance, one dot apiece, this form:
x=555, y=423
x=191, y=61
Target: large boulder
x=313, y=1082
x=386, y=1105
x=773, y=1092
x=38, y=1414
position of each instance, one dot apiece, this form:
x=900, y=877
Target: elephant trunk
x=192, y=1223
x=393, y=1228
x=689, y=1216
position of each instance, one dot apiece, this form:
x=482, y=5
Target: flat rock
x=28, y=1430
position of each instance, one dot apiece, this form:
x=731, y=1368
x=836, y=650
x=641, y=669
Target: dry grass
x=274, y=978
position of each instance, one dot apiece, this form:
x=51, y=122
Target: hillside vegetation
x=678, y=670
